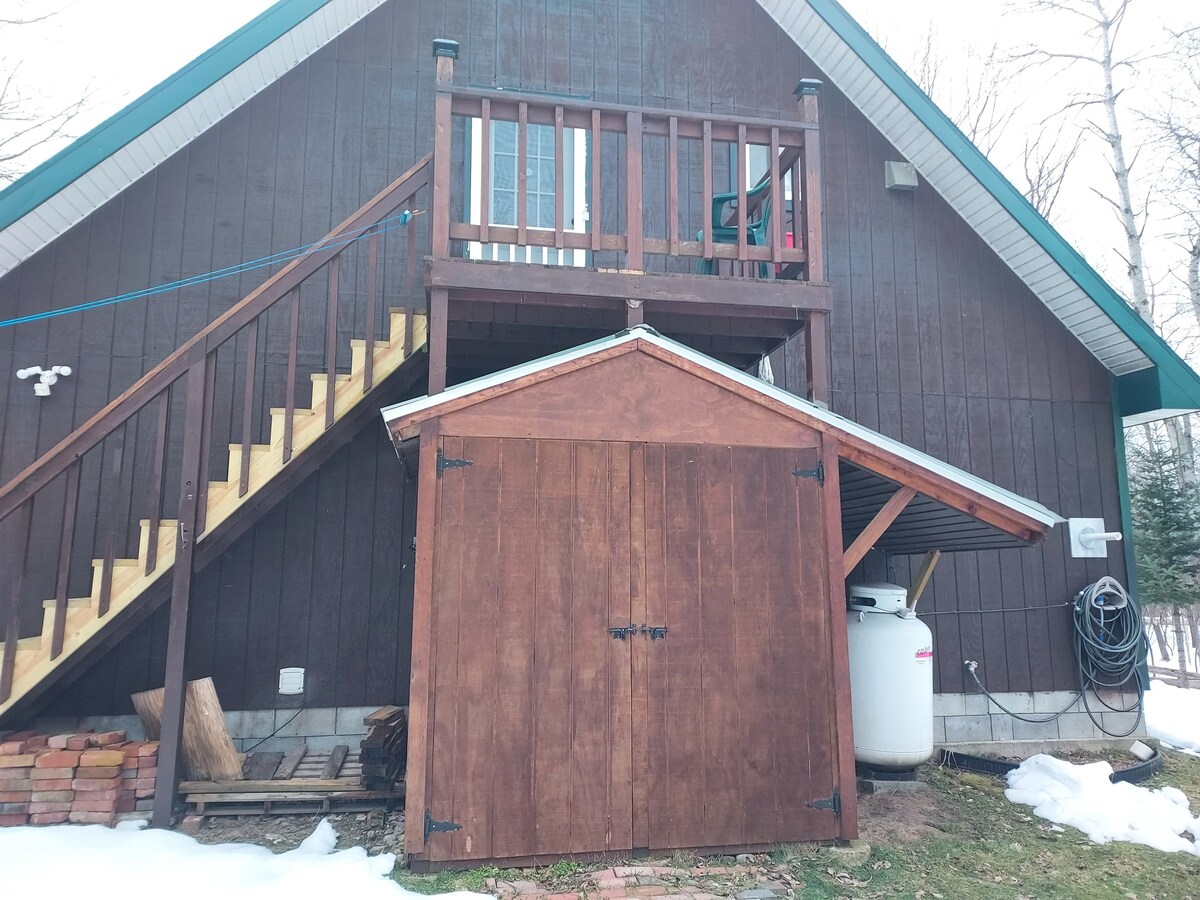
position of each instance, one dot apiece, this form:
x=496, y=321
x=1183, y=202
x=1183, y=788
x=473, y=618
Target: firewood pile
x=384, y=751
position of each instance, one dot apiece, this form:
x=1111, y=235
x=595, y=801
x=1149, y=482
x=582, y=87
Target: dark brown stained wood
x=372, y=306
x=838, y=673
x=485, y=172
x=679, y=291
x=289, y=409
x=877, y=526
x=204, y=414
x=706, y=175
x=333, y=765
x=522, y=196
x=117, y=456
x=633, y=195
x=621, y=508
x=331, y=339
x=16, y=533
x=741, y=191
x=261, y=766
x=635, y=398
x=673, y=184
x=247, y=409
x=645, y=567
x=290, y=761
x=559, y=201
x=718, y=713
x=70, y=511
x=597, y=195
x=439, y=314
x=154, y=512
x=552, y=700
x=816, y=358
x=513, y=828
x=473, y=728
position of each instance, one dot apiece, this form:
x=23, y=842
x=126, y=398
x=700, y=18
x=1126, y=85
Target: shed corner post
x=420, y=685
x=843, y=716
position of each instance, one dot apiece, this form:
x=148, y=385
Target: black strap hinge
x=834, y=803
x=444, y=463
x=817, y=473
x=432, y=825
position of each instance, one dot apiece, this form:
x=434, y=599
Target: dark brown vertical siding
x=933, y=340
x=937, y=343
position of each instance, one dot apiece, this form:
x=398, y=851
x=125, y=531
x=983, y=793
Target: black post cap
x=445, y=47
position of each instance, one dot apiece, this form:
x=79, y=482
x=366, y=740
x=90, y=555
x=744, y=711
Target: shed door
x=531, y=696
x=734, y=727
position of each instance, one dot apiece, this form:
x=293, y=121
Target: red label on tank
x=925, y=653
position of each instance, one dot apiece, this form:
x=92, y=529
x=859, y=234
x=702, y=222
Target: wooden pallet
x=298, y=803
x=300, y=781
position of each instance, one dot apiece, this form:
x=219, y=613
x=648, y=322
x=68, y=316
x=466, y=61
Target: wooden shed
x=629, y=627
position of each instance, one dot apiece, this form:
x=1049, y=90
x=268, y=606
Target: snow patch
x=1084, y=798
x=145, y=862
x=1173, y=716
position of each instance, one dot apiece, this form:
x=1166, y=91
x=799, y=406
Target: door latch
x=621, y=632
x=656, y=632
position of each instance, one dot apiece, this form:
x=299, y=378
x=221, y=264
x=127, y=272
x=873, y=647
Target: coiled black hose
x=1110, y=647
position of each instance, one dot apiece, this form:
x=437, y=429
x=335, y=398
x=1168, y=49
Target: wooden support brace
x=878, y=525
x=923, y=575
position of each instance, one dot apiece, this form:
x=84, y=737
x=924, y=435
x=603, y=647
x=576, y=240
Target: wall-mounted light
x=46, y=378
x=900, y=176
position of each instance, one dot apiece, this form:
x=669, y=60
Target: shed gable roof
x=887, y=459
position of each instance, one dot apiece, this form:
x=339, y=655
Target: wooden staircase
x=72, y=624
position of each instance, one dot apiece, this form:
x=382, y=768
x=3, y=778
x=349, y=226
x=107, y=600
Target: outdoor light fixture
x=46, y=377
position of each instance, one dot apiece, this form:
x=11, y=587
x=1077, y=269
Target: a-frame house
x=369, y=204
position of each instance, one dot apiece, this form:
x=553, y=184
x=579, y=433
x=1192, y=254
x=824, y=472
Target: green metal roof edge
x=83, y=154
x=1172, y=368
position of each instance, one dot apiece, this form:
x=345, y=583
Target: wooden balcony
x=556, y=220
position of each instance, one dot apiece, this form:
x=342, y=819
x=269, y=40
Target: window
x=540, y=199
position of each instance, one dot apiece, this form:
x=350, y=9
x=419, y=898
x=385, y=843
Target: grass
x=977, y=845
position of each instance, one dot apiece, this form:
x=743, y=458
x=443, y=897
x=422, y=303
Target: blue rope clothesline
x=283, y=256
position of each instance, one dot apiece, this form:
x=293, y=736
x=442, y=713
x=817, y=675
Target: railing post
x=816, y=357
x=445, y=52
x=15, y=531
x=175, y=684
x=807, y=92
x=633, y=192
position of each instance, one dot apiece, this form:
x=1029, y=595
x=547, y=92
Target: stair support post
x=175, y=684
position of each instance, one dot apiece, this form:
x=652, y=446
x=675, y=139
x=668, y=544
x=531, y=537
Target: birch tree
x=26, y=126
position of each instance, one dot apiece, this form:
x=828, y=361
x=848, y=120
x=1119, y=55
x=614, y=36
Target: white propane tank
x=891, y=678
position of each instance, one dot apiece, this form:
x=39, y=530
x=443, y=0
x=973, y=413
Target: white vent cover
x=291, y=680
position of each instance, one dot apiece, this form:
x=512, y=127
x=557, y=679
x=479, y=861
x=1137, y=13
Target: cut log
x=207, y=753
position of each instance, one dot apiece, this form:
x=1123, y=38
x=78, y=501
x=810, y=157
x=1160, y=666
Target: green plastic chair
x=756, y=231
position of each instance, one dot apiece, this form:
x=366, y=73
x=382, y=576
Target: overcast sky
x=117, y=49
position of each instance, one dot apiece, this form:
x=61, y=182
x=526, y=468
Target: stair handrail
x=55, y=461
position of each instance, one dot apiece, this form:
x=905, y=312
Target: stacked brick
x=86, y=778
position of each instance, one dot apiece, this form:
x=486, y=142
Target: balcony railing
x=575, y=182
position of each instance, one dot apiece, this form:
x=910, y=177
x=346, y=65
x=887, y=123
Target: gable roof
x=1060, y=277
x=957, y=510
x=1153, y=381
x=93, y=169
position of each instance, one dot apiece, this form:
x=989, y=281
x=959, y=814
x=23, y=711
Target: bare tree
x=979, y=101
x=1046, y=159
x=25, y=126
x=1100, y=23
